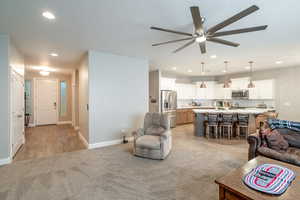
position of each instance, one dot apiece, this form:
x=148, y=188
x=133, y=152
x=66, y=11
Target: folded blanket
x=277, y=124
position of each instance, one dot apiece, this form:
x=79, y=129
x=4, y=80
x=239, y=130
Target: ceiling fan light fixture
x=200, y=39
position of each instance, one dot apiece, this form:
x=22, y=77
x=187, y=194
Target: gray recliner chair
x=154, y=140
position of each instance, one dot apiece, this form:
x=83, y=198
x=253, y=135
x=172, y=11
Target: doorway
x=17, y=108
x=46, y=101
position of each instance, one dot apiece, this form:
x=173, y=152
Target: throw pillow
x=276, y=141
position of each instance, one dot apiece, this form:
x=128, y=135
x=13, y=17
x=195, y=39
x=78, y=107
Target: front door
x=17, y=108
x=46, y=101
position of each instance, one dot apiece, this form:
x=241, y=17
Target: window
x=28, y=97
x=63, y=98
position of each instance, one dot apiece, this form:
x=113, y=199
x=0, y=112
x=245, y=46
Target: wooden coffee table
x=231, y=186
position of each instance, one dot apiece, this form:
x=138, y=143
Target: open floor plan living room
x=144, y=100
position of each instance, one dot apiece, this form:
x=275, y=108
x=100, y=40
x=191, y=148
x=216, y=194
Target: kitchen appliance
x=169, y=105
x=240, y=94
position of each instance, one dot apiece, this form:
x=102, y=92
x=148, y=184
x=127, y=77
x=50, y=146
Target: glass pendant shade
x=227, y=82
x=203, y=85
x=251, y=84
x=226, y=85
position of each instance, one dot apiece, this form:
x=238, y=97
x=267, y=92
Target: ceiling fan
x=201, y=35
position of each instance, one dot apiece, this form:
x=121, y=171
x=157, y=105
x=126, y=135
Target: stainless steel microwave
x=240, y=94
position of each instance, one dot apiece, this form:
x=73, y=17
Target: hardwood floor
x=46, y=141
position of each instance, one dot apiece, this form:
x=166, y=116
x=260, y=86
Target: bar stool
x=212, y=122
x=243, y=123
x=226, y=123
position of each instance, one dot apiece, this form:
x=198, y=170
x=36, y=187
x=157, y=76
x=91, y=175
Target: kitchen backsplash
x=240, y=103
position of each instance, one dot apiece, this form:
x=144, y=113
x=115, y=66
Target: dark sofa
x=292, y=155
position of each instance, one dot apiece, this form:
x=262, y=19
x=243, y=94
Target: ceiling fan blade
x=172, y=41
x=233, y=19
x=202, y=46
x=220, y=41
x=184, y=46
x=171, y=31
x=197, y=19
x=238, y=31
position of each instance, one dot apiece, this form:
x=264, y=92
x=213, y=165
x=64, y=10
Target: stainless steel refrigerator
x=168, y=103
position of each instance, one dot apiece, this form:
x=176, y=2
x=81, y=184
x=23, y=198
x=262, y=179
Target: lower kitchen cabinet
x=185, y=116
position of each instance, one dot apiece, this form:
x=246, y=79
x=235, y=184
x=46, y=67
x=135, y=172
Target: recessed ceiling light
x=213, y=56
x=53, y=54
x=174, y=68
x=247, y=67
x=224, y=71
x=278, y=62
x=44, y=68
x=48, y=15
x=190, y=71
x=44, y=73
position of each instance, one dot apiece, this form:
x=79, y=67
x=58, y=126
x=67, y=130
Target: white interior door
x=46, y=101
x=17, y=108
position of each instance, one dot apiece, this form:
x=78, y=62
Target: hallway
x=44, y=141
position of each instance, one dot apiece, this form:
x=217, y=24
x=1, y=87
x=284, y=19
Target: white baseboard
x=5, y=161
x=105, y=144
x=64, y=122
x=86, y=144
x=31, y=125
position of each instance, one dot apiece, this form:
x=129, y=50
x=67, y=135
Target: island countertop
x=254, y=111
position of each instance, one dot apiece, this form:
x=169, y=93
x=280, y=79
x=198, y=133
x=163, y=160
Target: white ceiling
x=122, y=27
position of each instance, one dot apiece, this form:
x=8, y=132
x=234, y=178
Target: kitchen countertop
x=195, y=107
x=254, y=111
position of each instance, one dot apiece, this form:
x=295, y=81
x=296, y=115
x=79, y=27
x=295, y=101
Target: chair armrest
x=254, y=141
x=165, y=134
x=138, y=133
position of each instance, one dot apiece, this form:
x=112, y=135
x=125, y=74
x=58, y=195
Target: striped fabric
x=276, y=180
x=277, y=124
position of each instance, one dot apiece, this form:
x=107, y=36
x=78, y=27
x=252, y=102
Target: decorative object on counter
x=269, y=178
x=154, y=140
x=227, y=80
x=251, y=84
x=226, y=125
x=202, y=85
x=242, y=124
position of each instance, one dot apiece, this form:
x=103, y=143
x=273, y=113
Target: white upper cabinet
x=167, y=84
x=264, y=89
x=239, y=83
x=185, y=91
x=222, y=93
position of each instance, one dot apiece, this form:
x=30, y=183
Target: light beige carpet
x=113, y=173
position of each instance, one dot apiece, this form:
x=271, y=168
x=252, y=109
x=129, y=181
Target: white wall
x=83, y=97
x=4, y=91
x=118, y=95
x=10, y=59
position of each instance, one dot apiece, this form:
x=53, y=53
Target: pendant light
x=202, y=85
x=226, y=82
x=251, y=84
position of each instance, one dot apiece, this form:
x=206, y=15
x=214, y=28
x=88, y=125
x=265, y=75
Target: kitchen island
x=200, y=117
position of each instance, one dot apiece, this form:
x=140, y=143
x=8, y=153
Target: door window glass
x=63, y=98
